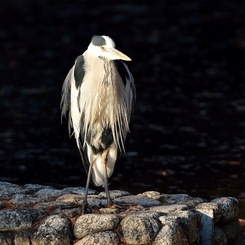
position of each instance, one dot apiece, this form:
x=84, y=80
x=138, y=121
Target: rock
x=32, y=188
x=143, y=201
x=211, y=205
x=22, y=237
x=232, y=230
x=49, y=206
x=48, y=194
x=166, y=209
x=70, y=198
x=91, y=223
x=188, y=221
x=139, y=230
x=9, y=192
x=181, y=199
x=23, y=200
x=229, y=208
x=17, y=219
x=219, y=237
x=53, y=230
x=114, y=194
x=100, y=238
x=151, y=194
x=170, y=234
x=78, y=191
x=7, y=238
x=7, y=185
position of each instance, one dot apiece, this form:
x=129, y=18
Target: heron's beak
x=117, y=55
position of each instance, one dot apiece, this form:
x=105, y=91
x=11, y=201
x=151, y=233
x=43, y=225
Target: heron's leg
x=85, y=199
x=104, y=163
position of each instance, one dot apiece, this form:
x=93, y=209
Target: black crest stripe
x=98, y=41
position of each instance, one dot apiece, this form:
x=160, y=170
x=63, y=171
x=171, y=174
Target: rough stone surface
x=169, y=208
x=170, y=234
x=53, y=230
x=142, y=229
x=100, y=238
x=232, y=230
x=43, y=215
x=18, y=219
x=91, y=223
x=188, y=220
x=214, y=206
x=219, y=237
x=143, y=201
x=229, y=208
x=182, y=199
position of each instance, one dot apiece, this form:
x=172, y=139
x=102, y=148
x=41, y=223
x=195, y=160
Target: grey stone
x=181, y=199
x=214, y=207
x=91, y=223
x=96, y=202
x=16, y=219
x=100, y=238
x=70, y=198
x=4, y=185
x=232, y=230
x=2, y=205
x=53, y=230
x=23, y=200
x=9, y=192
x=206, y=226
x=32, y=188
x=148, y=213
x=22, y=237
x=166, y=209
x=143, y=201
x=229, y=208
x=170, y=234
x=188, y=221
x=48, y=194
x=139, y=230
x=78, y=191
x=7, y=238
x=69, y=211
x=219, y=237
x=114, y=194
x=151, y=194
x=49, y=206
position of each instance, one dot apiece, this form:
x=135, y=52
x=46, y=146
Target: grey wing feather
x=66, y=94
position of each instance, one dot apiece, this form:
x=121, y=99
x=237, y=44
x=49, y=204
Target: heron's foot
x=85, y=208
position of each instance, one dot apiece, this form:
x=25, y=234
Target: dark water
x=188, y=133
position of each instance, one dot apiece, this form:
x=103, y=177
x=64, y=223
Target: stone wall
x=42, y=215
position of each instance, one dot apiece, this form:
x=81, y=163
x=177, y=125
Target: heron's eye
x=102, y=48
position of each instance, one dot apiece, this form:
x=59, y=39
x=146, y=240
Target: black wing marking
x=66, y=94
x=123, y=72
x=127, y=77
x=79, y=71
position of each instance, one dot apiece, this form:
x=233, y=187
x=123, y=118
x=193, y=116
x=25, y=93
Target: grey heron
x=99, y=94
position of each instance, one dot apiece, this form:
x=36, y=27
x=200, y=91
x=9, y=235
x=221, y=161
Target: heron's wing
x=128, y=81
x=66, y=94
x=79, y=70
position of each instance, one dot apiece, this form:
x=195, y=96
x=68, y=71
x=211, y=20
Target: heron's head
x=104, y=47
